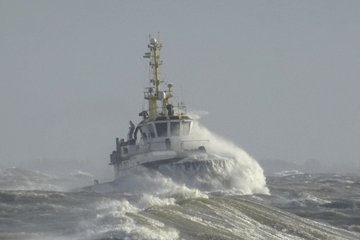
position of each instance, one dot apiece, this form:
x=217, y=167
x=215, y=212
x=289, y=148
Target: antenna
x=182, y=97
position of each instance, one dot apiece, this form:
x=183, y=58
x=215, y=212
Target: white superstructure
x=163, y=135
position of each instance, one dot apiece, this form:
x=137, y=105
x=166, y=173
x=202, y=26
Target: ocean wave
x=15, y=178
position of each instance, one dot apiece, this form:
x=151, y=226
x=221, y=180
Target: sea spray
x=241, y=172
x=225, y=169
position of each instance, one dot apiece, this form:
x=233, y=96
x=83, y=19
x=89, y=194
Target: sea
x=225, y=195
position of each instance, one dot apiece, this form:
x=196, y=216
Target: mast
x=154, y=47
x=158, y=95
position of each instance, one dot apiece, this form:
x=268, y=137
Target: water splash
x=240, y=172
x=224, y=169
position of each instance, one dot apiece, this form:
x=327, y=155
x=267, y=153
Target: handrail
x=178, y=110
x=203, y=140
x=178, y=144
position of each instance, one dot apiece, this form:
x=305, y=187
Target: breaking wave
x=224, y=169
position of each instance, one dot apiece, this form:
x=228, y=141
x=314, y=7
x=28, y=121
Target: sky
x=280, y=79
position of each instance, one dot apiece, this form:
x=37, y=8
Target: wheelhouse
x=165, y=129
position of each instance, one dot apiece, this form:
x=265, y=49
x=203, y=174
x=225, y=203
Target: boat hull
x=153, y=159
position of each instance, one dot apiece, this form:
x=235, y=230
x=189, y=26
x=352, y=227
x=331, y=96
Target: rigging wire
x=182, y=97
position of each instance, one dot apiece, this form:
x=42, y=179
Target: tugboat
x=164, y=134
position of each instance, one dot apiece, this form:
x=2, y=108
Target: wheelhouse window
x=161, y=129
x=143, y=132
x=185, y=128
x=175, y=128
x=151, y=130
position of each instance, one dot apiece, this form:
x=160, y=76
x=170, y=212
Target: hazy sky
x=281, y=79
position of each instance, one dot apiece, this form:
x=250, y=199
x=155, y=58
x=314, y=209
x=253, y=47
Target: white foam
x=115, y=219
x=288, y=173
x=148, y=200
x=242, y=171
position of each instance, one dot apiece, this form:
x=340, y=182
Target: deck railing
x=179, y=109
